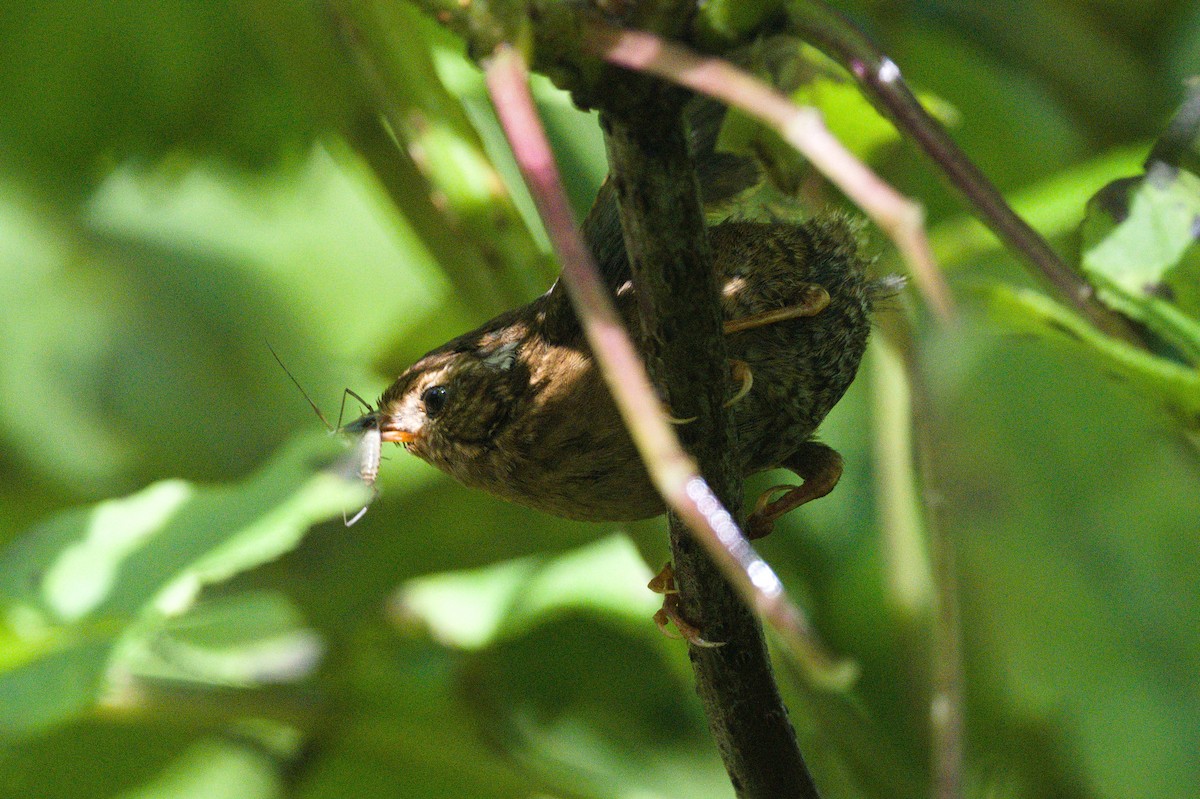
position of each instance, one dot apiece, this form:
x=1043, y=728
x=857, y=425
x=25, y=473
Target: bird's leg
x=812, y=299
x=818, y=465
x=740, y=371
x=664, y=583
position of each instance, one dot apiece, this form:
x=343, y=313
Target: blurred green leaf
x=144, y=322
x=596, y=708
x=1087, y=68
x=1072, y=512
x=243, y=640
x=1175, y=386
x=479, y=608
x=216, y=769
x=86, y=84
x=78, y=586
x=1140, y=250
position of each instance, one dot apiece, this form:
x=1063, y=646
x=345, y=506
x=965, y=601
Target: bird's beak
x=398, y=436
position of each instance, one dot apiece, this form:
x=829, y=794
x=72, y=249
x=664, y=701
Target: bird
x=518, y=407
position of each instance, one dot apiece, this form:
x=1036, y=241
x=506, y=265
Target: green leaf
x=94, y=581
x=477, y=608
x=216, y=769
x=1140, y=251
x=244, y=640
x=57, y=680
x=1177, y=387
x=66, y=106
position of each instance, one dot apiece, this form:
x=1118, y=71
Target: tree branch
x=760, y=725
x=684, y=347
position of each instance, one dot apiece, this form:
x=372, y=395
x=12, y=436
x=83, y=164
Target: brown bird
x=519, y=409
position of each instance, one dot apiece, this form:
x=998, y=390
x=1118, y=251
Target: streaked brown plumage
x=518, y=408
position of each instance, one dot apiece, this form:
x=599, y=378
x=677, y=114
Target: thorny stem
x=947, y=721
x=899, y=217
x=880, y=80
x=946, y=712
x=672, y=470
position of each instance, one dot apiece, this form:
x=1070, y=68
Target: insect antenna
x=307, y=398
x=367, y=452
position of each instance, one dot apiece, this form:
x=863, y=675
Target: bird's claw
x=820, y=467
x=669, y=614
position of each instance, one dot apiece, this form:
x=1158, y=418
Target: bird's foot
x=812, y=300
x=818, y=465
x=740, y=371
x=664, y=583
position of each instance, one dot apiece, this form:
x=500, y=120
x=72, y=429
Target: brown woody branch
x=745, y=709
x=684, y=346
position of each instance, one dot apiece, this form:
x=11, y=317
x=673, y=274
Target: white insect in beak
x=366, y=456
x=364, y=464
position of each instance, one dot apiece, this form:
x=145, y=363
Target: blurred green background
x=181, y=183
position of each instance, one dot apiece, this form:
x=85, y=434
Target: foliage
x=184, y=182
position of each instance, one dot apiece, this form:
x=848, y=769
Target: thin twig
x=902, y=523
x=882, y=83
x=947, y=720
x=671, y=469
x=899, y=217
x=398, y=79
x=947, y=725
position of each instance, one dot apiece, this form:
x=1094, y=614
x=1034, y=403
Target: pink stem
x=673, y=471
x=901, y=218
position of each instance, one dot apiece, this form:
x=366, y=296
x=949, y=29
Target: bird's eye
x=434, y=399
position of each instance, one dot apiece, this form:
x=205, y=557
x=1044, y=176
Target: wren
x=519, y=409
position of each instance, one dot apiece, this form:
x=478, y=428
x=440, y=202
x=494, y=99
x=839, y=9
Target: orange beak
x=398, y=436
